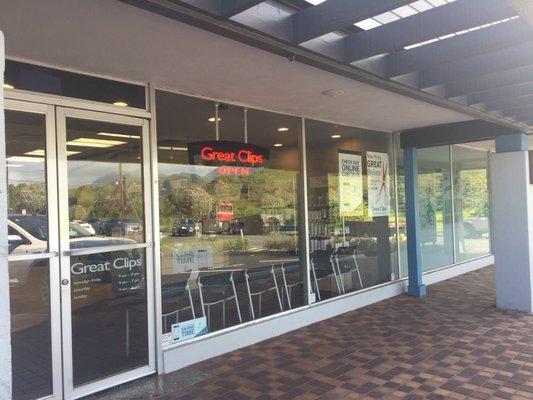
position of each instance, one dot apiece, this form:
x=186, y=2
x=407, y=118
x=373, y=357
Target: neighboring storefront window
x=469, y=210
x=471, y=202
x=350, y=209
x=435, y=201
x=228, y=213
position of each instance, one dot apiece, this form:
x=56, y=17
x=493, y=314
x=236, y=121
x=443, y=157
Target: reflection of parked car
x=475, y=227
x=85, y=225
x=184, y=226
x=288, y=230
x=97, y=223
x=28, y=234
x=120, y=227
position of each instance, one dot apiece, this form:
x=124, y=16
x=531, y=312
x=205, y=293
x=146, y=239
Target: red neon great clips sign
x=225, y=153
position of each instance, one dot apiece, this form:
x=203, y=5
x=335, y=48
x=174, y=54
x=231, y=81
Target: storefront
x=144, y=222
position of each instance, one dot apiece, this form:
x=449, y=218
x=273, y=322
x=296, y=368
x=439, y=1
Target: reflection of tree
x=114, y=200
x=28, y=198
x=473, y=191
x=84, y=204
x=263, y=191
x=194, y=202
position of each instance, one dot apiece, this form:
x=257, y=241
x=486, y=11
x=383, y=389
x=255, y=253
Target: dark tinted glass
x=63, y=83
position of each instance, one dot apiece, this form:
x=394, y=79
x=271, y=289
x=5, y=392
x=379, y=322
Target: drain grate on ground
x=152, y=387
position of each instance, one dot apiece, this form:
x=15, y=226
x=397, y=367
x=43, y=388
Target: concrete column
x=412, y=214
x=512, y=228
x=5, y=333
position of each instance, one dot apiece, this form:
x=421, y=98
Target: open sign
x=226, y=153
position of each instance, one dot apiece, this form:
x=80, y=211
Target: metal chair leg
x=236, y=298
x=191, y=302
x=315, y=280
x=246, y=277
x=224, y=313
x=335, y=274
x=286, y=287
x=277, y=289
x=357, y=269
x=341, y=279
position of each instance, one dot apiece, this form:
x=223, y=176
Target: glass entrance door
x=33, y=253
x=105, y=240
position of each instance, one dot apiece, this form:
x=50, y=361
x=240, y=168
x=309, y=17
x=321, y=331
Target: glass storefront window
x=350, y=213
x=228, y=213
x=105, y=183
x=435, y=201
x=471, y=202
x=471, y=212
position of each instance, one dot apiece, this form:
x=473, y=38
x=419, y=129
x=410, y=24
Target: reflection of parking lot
x=257, y=242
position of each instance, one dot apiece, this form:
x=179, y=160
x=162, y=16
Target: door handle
x=65, y=282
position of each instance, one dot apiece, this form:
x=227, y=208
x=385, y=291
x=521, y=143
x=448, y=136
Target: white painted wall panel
x=512, y=230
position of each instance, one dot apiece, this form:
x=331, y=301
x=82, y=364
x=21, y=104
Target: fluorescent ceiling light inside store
x=120, y=135
x=172, y=148
x=40, y=153
x=90, y=142
x=23, y=159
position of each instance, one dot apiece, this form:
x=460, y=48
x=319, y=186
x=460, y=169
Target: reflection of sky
x=97, y=173
x=26, y=173
x=171, y=169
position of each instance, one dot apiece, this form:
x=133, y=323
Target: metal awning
x=472, y=56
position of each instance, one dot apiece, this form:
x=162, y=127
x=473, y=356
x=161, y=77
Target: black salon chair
x=217, y=288
x=292, y=278
x=260, y=281
x=176, y=298
x=323, y=267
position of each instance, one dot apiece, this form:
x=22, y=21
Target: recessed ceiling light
x=172, y=148
x=120, y=103
x=336, y=136
x=8, y=86
x=333, y=92
x=90, y=142
x=122, y=135
x=212, y=119
x=283, y=129
x=278, y=145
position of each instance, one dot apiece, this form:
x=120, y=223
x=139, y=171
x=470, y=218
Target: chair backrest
x=214, y=279
x=259, y=275
x=174, y=286
x=321, y=260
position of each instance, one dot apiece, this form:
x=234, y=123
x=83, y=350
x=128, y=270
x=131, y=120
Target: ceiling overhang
x=381, y=57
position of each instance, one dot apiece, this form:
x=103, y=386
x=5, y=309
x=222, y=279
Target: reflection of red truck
x=220, y=220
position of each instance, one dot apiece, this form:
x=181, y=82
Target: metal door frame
x=62, y=113
x=53, y=236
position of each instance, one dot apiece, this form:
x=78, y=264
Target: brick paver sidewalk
x=453, y=344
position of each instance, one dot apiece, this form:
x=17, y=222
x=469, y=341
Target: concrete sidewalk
x=453, y=344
